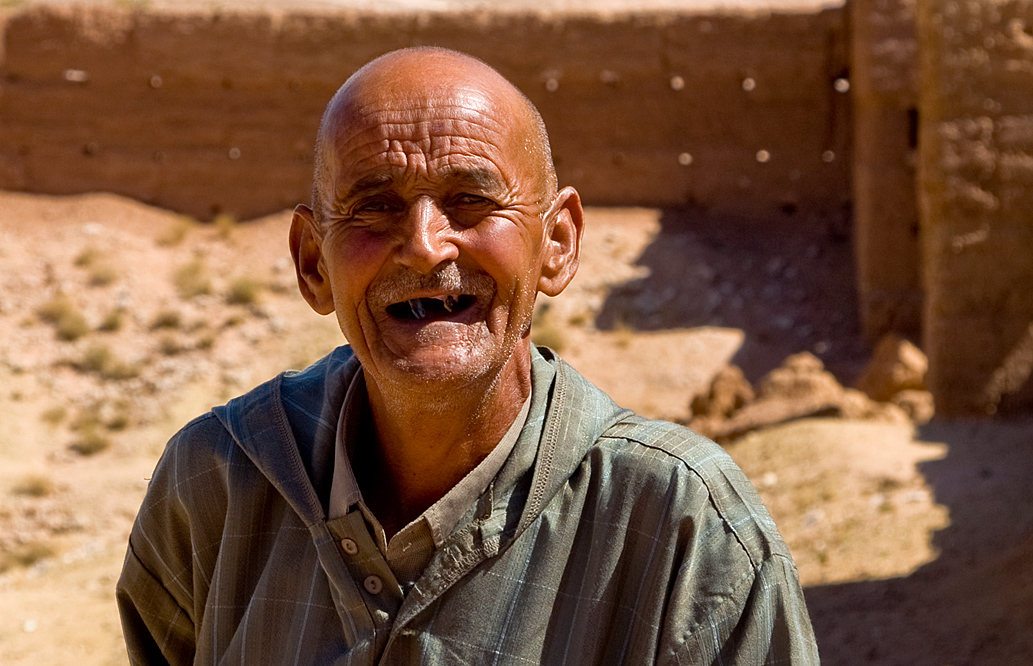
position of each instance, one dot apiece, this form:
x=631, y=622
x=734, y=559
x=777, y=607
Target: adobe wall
x=884, y=81
x=976, y=198
x=204, y=112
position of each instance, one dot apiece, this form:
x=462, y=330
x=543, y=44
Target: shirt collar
x=354, y=425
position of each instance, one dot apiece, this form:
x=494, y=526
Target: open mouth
x=438, y=307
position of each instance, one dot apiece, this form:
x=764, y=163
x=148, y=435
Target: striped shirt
x=604, y=538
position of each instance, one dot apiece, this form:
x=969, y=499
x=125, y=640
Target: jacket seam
x=754, y=562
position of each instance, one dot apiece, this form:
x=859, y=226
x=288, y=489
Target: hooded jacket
x=605, y=538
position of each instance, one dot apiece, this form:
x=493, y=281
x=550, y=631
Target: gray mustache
x=448, y=277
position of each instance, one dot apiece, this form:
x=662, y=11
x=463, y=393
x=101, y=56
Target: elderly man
x=440, y=491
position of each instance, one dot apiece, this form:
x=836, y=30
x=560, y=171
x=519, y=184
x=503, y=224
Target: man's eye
x=372, y=206
x=472, y=200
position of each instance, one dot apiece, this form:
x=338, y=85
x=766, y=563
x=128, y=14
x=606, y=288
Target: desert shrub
x=192, y=279
x=177, y=232
x=99, y=359
x=90, y=441
x=233, y=320
x=88, y=257
x=54, y=415
x=118, y=422
x=167, y=319
x=169, y=345
x=243, y=291
x=112, y=321
x=101, y=271
x=62, y=313
x=102, y=274
x=34, y=485
x=95, y=358
x=26, y=555
x=224, y=223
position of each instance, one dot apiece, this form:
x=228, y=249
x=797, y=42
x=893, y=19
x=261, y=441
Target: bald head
x=405, y=80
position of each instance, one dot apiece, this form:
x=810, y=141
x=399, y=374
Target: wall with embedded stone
x=208, y=112
x=884, y=77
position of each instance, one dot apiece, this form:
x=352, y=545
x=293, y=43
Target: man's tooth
x=449, y=302
x=417, y=309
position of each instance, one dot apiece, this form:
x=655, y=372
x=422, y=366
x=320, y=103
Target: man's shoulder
x=698, y=474
x=295, y=399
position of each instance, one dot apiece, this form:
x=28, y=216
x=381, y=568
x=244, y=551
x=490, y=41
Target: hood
x=288, y=425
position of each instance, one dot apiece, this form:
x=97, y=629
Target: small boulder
x=896, y=365
x=728, y=392
x=800, y=376
x=918, y=405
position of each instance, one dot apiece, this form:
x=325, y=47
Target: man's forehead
x=455, y=138
x=462, y=113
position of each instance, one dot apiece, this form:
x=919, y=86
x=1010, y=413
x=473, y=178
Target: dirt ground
x=120, y=322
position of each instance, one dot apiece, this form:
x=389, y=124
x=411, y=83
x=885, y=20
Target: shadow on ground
x=971, y=606
x=787, y=282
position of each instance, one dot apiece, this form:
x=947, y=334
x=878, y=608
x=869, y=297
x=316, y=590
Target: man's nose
x=427, y=237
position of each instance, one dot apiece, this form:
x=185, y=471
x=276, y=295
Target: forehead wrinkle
x=474, y=103
x=432, y=154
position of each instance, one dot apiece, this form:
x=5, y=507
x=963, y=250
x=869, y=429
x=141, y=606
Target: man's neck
x=428, y=444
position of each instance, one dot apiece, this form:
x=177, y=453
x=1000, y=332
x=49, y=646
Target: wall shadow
x=973, y=605
x=786, y=281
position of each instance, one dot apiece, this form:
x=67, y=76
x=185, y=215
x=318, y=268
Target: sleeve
x=156, y=629
x=736, y=595
x=773, y=626
x=164, y=583
x=762, y=621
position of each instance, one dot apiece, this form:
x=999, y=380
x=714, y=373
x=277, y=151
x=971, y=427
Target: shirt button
x=373, y=584
x=349, y=546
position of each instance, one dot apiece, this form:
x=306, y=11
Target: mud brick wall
x=884, y=81
x=977, y=202
x=216, y=112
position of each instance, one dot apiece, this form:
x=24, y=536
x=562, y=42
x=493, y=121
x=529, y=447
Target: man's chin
x=438, y=369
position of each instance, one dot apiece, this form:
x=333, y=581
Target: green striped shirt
x=604, y=538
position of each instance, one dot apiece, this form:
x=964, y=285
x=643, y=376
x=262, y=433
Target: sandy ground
x=915, y=545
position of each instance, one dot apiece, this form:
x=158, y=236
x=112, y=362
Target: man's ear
x=308, y=261
x=562, y=250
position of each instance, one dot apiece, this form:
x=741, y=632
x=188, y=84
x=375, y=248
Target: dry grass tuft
x=101, y=271
x=225, y=224
x=167, y=319
x=54, y=415
x=90, y=442
x=192, y=279
x=243, y=291
x=63, y=314
x=99, y=359
x=34, y=485
x=118, y=422
x=26, y=555
x=88, y=257
x=177, y=231
x=112, y=321
x=103, y=274
x=170, y=346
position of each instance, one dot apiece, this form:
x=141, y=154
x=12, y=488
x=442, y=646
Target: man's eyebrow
x=485, y=180
x=375, y=182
